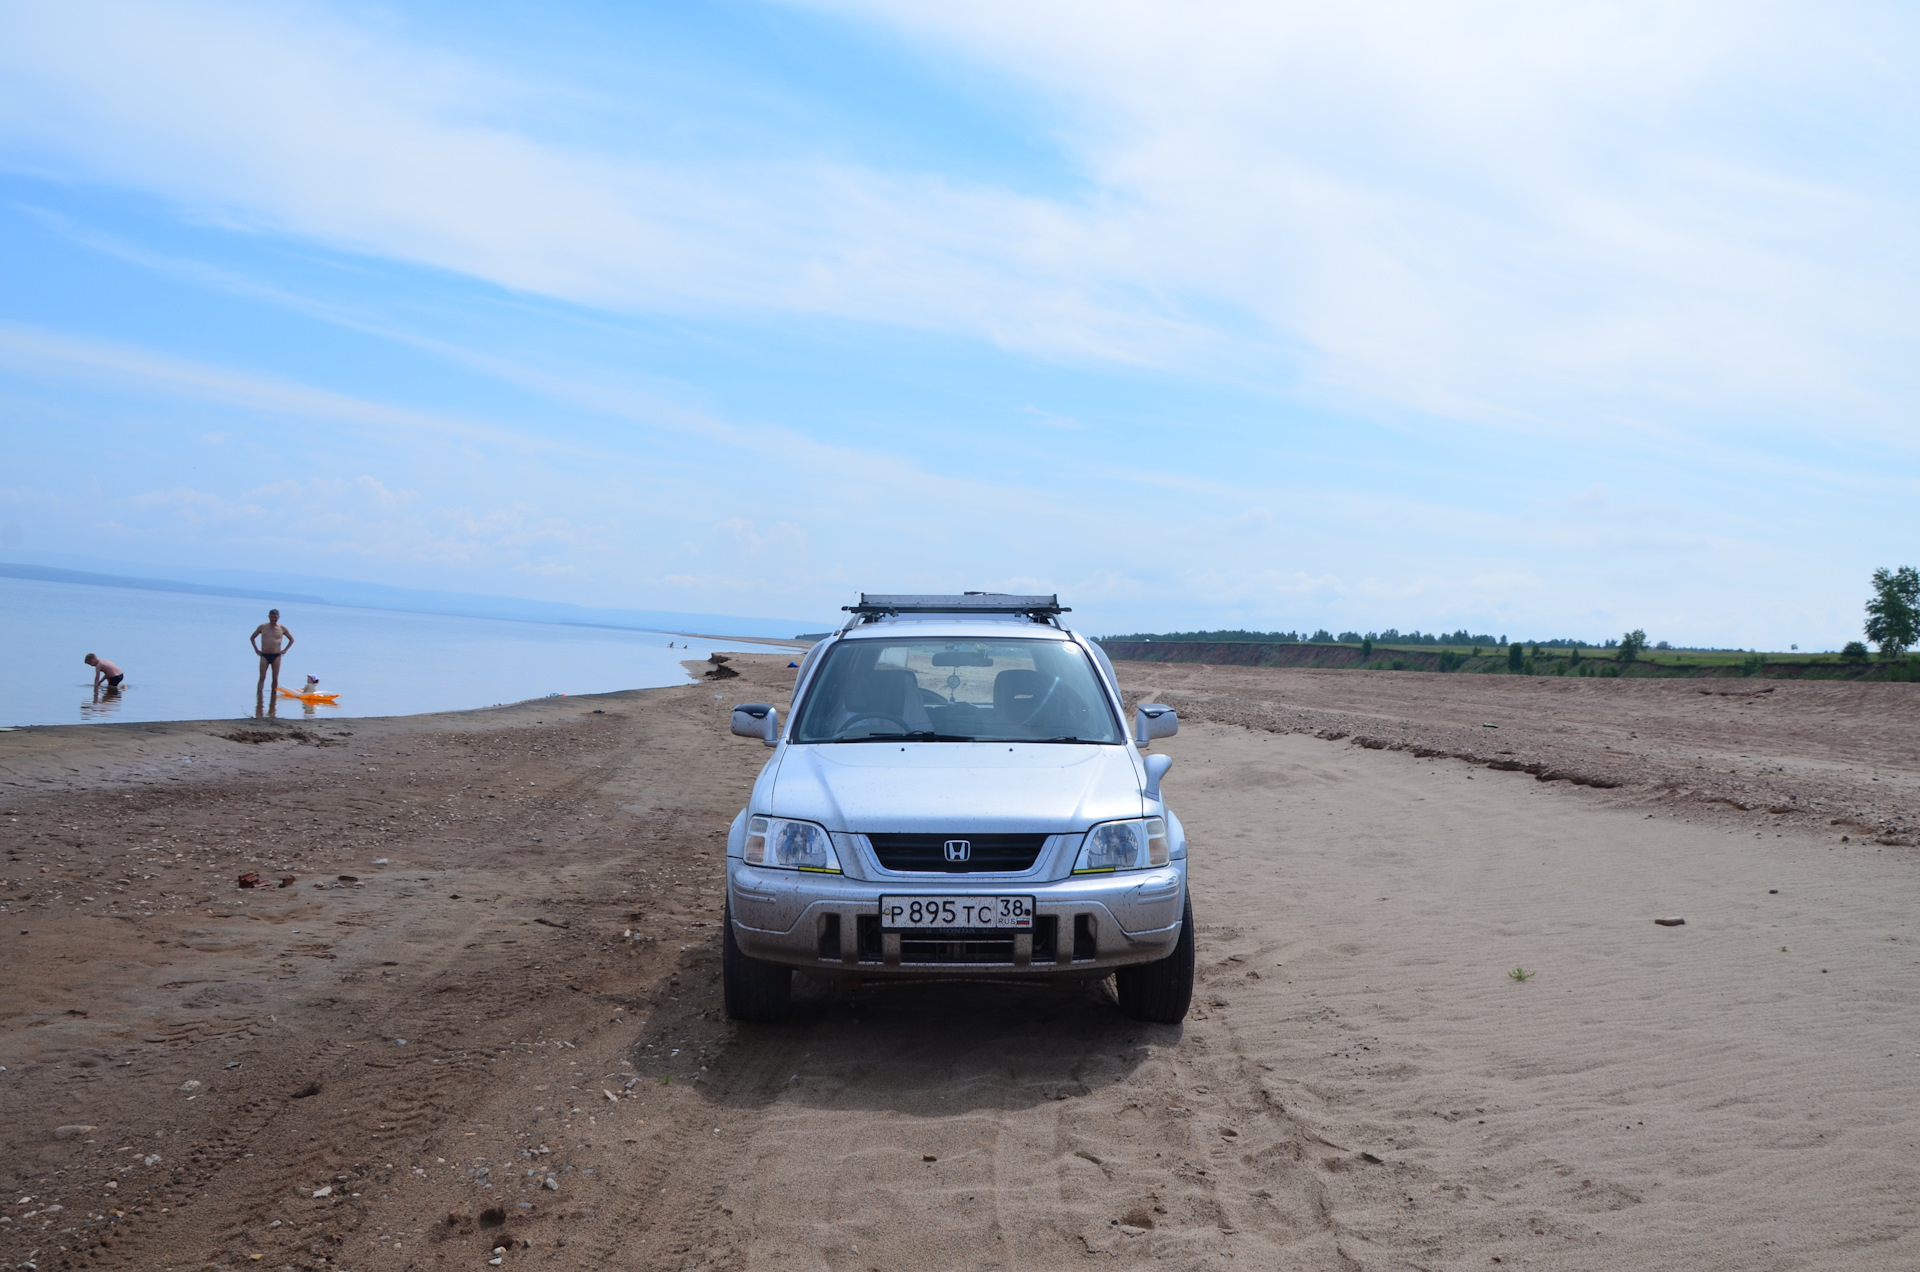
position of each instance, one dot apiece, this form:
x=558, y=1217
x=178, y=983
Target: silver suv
x=956, y=797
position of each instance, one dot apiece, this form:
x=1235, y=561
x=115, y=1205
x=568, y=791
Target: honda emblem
x=959, y=849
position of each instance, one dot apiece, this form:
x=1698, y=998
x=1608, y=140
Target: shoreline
x=34, y=753
x=289, y=709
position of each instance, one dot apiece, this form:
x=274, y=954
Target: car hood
x=950, y=786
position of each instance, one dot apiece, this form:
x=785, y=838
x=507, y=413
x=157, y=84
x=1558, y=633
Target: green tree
x=1366, y=647
x=1631, y=644
x=1516, y=657
x=1854, y=651
x=1893, y=611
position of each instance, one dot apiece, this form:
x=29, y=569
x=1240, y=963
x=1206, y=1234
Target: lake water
x=186, y=657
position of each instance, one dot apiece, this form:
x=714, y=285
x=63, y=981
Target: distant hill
x=313, y=590
x=49, y=574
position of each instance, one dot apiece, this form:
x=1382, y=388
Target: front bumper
x=829, y=925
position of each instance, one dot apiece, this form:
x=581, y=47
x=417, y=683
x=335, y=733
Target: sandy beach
x=484, y=1014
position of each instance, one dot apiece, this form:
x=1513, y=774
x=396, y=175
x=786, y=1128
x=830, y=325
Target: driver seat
x=1016, y=692
x=889, y=691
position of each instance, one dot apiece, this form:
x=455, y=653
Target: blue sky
x=1532, y=319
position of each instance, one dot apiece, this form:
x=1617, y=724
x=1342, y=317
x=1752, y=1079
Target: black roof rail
x=1040, y=609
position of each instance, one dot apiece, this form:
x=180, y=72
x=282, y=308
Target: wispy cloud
x=1518, y=216
x=1053, y=419
x=295, y=122
x=26, y=351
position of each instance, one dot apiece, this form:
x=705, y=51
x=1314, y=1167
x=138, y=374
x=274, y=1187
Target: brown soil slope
x=1813, y=755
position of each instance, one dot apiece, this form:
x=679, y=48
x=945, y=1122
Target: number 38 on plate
x=906, y=913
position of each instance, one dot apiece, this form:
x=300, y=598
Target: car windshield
x=880, y=690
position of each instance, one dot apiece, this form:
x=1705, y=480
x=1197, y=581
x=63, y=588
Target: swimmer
x=104, y=671
x=270, y=641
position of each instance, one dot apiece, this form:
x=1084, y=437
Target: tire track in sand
x=1018, y=1128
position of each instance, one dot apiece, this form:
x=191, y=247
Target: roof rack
x=1040, y=609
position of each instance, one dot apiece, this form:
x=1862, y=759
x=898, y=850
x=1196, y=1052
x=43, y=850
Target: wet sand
x=1361, y=1084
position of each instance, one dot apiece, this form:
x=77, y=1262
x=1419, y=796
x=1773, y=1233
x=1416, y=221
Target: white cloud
x=359, y=518
x=1252, y=523
x=1053, y=419
x=1518, y=214
x=1531, y=217
x=295, y=122
x=28, y=351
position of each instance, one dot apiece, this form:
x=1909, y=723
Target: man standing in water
x=267, y=642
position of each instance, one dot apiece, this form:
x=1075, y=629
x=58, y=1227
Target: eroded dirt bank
x=1810, y=755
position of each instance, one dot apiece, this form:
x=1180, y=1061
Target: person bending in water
x=104, y=671
x=270, y=641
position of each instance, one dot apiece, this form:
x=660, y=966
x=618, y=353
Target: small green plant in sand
x=1521, y=974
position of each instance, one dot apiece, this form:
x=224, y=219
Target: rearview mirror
x=757, y=720
x=1154, y=720
x=961, y=658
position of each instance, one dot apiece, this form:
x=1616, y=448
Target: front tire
x=1160, y=992
x=754, y=991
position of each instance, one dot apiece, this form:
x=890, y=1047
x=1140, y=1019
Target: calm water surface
x=186, y=657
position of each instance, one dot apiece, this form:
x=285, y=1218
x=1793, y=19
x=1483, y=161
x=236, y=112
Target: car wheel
x=1160, y=992
x=752, y=990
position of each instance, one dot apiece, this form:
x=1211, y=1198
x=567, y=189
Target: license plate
x=1013, y=914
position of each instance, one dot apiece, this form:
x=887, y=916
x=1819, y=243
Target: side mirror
x=757, y=720
x=1154, y=720
x=1157, y=766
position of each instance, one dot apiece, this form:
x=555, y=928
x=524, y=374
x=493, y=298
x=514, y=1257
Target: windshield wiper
x=1064, y=737
x=925, y=735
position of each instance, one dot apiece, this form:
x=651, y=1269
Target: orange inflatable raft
x=324, y=699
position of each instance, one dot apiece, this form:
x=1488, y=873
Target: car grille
x=961, y=945
x=986, y=854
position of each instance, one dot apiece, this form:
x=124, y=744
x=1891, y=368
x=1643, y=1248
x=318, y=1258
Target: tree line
x=1391, y=636
x=1893, y=612
x=1893, y=624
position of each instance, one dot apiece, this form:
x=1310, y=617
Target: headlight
x=791, y=845
x=1123, y=845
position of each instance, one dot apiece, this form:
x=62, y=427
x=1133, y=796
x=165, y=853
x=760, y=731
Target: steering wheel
x=876, y=715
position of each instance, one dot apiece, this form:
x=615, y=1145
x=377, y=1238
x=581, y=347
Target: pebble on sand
x=1674, y=921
